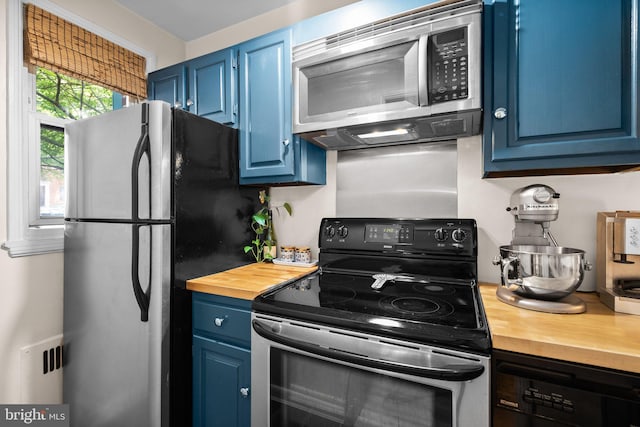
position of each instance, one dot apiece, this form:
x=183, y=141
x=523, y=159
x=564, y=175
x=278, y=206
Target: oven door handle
x=447, y=372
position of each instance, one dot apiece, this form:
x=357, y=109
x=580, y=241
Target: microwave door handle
x=448, y=373
x=423, y=70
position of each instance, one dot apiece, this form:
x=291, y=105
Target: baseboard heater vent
x=41, y=371
x=51, y=359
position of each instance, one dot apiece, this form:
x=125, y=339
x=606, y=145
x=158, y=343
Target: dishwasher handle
x=447, y=373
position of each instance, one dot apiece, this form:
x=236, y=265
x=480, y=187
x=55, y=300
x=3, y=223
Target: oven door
x=310, y=375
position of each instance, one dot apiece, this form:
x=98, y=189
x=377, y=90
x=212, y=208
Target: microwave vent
x=412, y=18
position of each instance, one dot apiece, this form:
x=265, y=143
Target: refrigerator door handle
x=142, y=147
x=142, y=296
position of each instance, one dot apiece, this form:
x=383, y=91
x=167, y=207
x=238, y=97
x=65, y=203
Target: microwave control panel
x=448, y=56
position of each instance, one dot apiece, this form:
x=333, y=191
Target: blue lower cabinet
x=221, y=384
x=221, y=361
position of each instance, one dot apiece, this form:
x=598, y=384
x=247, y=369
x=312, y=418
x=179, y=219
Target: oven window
x=313, y=393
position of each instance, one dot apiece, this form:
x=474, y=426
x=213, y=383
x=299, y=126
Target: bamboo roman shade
x=58, y=45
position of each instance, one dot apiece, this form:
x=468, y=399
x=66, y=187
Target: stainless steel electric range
x=390, y=331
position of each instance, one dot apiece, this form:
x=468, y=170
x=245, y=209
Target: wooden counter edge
x=248, y=291
x=588, y=355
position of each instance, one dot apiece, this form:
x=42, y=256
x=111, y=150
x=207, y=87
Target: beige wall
x=31, y=287
x=263, y=24
x=112, y=17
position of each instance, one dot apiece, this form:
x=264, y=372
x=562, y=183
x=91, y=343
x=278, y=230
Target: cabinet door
x=168, y=84
x=560, y=86
x=212, y=86
x=266, y=147
x=221, y=381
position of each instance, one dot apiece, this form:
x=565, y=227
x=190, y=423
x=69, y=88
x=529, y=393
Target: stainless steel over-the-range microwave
x=409, y=78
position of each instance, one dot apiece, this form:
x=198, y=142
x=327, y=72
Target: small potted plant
x=263, y=247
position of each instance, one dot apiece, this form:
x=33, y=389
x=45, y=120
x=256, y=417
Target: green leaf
x=287, y=207
x=247, y=249
x=260, y=219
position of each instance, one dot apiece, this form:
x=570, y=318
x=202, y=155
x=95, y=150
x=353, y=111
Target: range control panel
x=432, y=236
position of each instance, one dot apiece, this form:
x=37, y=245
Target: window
x=41, y=100
x=59, y=99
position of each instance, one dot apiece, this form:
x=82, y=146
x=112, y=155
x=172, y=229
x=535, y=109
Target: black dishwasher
x=538, y=392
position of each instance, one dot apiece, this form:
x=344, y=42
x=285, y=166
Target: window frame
x=26, y=234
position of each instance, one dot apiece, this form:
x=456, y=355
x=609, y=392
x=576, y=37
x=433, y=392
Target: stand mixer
x=537, y=273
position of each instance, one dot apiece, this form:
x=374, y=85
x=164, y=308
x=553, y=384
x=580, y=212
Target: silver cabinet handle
x=286, y=142
x=189, y=103
x=177, y=104
x=244, y=391
x=500, y=113
x=218, y=321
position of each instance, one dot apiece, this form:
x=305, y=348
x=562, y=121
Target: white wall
x=310, y=203
x=581, y=197
x=485, y=200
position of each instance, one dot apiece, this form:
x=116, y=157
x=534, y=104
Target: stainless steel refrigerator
x=152, y=200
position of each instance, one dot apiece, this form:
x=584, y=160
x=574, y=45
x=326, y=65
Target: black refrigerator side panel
x=212, y=216
x=212, y=212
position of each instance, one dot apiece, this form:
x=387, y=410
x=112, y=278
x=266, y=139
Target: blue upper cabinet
x=205, y=86
x=212, y=86
x=560, y=87
x=269, y=152
x=169, y=85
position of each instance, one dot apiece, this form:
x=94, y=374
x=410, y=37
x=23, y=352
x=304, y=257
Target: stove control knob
x=343, y=231
x=440, y=234
x=329, y=231
x=458, y=235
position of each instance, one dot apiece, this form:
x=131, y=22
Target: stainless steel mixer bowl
x=542, y=272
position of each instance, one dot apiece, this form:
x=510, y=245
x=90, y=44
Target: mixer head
x=536, y=203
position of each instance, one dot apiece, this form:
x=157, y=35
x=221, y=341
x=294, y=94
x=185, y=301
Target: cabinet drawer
x=226, y=323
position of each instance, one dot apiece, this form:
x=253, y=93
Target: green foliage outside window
x=66, y=98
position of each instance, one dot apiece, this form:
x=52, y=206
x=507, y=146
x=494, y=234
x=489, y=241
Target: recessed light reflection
x=385, y=322
x=383, y=133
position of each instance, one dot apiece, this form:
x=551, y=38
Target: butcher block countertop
x=248, y=281
x=599, y=336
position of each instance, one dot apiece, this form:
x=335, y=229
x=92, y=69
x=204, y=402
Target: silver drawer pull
x=244, y=391
x=218, y=321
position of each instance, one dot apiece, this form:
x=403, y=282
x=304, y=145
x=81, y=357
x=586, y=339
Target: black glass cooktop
x=423, y=309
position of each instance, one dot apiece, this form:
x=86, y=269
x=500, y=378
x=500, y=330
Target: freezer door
x=118, y=167
x=116, y=366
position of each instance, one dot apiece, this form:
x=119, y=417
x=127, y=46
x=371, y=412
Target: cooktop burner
x=406, y=279
x=352, y=297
